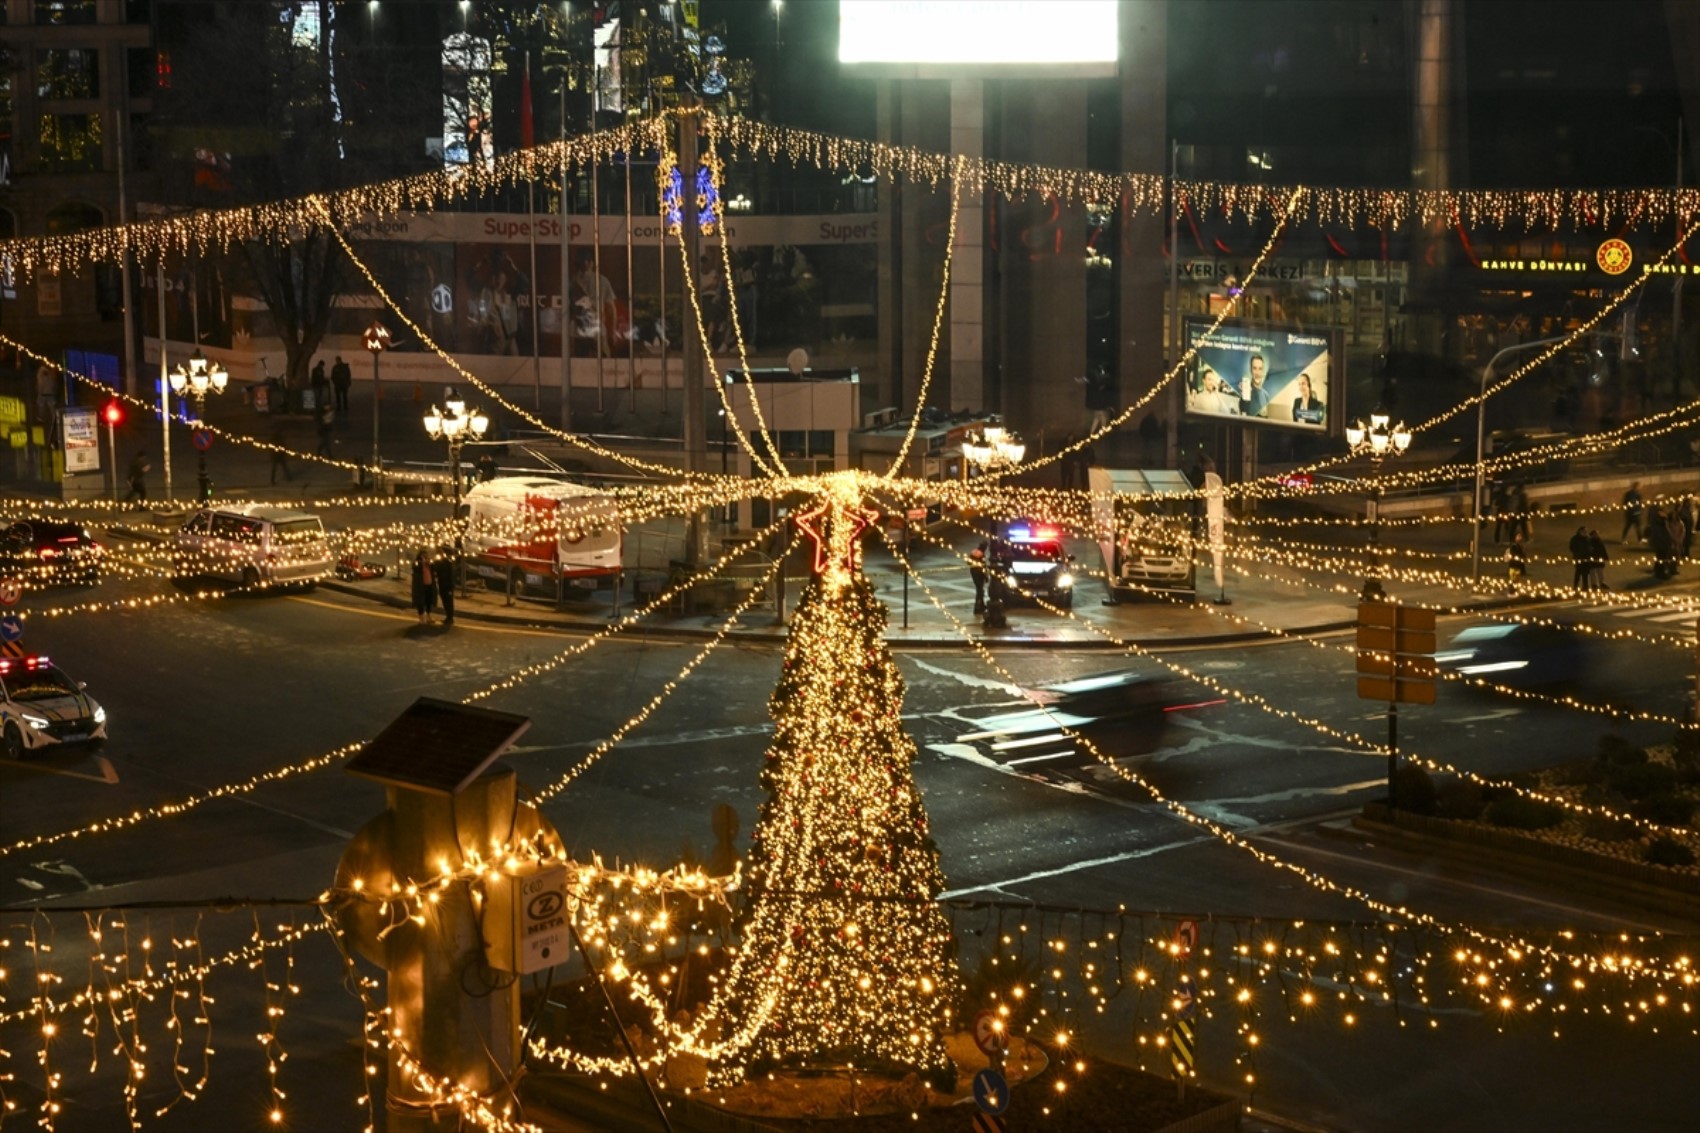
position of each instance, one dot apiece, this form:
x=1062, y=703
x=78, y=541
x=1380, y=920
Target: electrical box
x=525, y=919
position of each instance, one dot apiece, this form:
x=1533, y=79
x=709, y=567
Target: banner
x=1264, y=375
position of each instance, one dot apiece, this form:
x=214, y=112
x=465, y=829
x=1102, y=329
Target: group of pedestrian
x=1588, y=559
x=1668, y=530
x=330, y=397
x=1074, y=462
x=433, y=582
x=1510, y=512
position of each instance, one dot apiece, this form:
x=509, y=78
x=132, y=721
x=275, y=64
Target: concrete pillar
x=470, y=1039
x=1042, y=305
x=1143, y=272
x=966, y=314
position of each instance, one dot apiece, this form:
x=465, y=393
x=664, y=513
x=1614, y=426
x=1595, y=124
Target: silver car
x=254, y=545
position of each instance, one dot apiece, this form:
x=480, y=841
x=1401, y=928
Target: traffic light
x=112, y=413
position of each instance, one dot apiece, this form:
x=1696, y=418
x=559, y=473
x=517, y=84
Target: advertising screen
x=1262, y=374
x=973, y=33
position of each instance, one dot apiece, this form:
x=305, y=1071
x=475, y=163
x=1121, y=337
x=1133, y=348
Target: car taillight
x=49, y=553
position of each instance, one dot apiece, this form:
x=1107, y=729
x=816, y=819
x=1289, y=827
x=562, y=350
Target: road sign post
x=1396, y=664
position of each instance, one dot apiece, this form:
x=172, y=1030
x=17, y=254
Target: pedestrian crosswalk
x=1683, y=623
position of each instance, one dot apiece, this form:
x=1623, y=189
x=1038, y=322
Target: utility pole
x=695, y=432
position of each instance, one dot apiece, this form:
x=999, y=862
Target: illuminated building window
x=69, y=143
x=466, y=101
x=67, y=73
x=60, y=13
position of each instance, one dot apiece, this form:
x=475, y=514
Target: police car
x=41, y=707
x=1032, y=555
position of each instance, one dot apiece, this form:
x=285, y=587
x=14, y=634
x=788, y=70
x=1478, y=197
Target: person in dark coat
x=1658, y=538
x=137, y=478
x=1501, y=508
x=424, y=586
x=341, y=379
x=443, y=570
x=1631, y=513
x=977, y=571
x=1518, y=558
x=486, y=468
x=1579, y=559
x=321, y=386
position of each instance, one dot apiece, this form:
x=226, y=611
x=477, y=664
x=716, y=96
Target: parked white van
x=253, y=544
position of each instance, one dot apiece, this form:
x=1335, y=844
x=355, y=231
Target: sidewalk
x=1265, y=598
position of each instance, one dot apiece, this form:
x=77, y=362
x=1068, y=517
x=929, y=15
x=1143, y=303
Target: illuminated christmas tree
x=844, y=954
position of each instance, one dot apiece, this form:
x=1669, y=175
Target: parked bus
x=533, y=531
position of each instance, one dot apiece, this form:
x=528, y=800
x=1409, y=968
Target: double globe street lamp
x=377, y=340
x=1378, y=440
x=456, y=424
x=196, y=378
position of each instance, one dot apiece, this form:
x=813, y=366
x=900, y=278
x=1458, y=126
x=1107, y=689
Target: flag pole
x=528, y=140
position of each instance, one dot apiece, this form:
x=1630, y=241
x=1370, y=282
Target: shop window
x=68, y=72
x=63, y=13
x=73, y=216
x=70, y=143
x=821, y=443
x=791, y=443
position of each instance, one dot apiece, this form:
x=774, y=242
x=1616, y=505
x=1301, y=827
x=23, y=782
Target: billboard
x=1265, y=375
x=964, y=36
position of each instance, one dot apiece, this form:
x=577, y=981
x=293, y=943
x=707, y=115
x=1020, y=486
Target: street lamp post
x=1481, y=435
x=1378, y=440
x=196, y=378
x=994, y=449
x=377, y=339
x=455, y=424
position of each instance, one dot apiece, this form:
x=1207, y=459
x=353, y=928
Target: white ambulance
x=533, y=531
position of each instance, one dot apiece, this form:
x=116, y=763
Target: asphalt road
x=206, y=693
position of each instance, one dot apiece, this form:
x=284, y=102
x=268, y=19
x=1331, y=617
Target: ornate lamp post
x=377, y=339
x=195, y=378
x=994, y=449
x=1378, y=440
x=456, y=424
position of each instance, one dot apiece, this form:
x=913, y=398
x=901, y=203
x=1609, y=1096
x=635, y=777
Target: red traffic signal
x=112, y=413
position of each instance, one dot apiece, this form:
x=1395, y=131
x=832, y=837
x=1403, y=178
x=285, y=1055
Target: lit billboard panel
x=1265, y=375
x=966, y=35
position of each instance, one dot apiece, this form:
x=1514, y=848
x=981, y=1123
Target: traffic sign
x=11, y=627
x=1186, y=938
x=1181, y=1047
x=989, y=1034
x=1396, y=653
x=990, y=1123
x=991, y=1092
x=1185, y=1005
x=202, y=439
x=11, y=589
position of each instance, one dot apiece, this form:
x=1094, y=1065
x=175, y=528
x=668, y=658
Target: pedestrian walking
x=486, y=468
x=1690, y=512
x=1518, y=558
x=1596, y=561
x=136, y=478
x=321, y=386
x=1680, y=537
x=1579, y=552
x=424, y=586
x=1068, y=460
x=327, y=420
x=280, y=455
x=443, y=570
x=1520, y=512
x=341, y=379
x=977, y=571
x=1632, y=513
x=1659, y=539
x=1501, y=506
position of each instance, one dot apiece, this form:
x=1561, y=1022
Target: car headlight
x=1065, y=580
x=99, y=714
x=36, y=722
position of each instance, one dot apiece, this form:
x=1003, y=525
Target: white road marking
x=964, y=678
